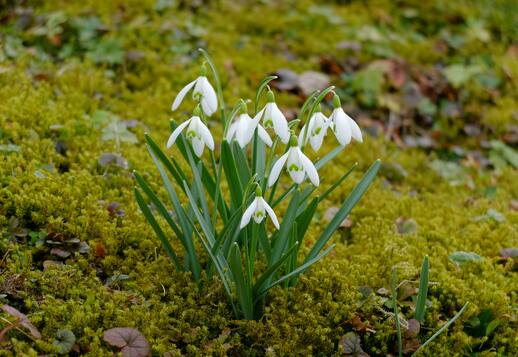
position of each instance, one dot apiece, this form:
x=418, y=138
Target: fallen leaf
x=509, y=253
x=311, y=81
x=351, y=345
x=60, y=252
x=461, y=258
x=108, y=159
x=331, y=213
x=130, y=341
x=406, y=225
x=47, y=264
x=65, y=340
x=287, y=81
x=413, y=328
x=23, y=320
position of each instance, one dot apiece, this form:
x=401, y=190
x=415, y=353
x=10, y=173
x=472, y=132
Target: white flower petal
x=309, y=168
x=301, y=136
x=176, y=133
x=231, y=131
x=244, y=132
x=197, y=146
x=280, y=124
x=271, y=213
x=294, y=165
x=342, y=128
x=264, y=135
x=355, y=129
x=317, y=140
x=179, y=97
x=209, y=99
x=248, y=213
x=206, y=135
x=276, y=169
x=259, y=209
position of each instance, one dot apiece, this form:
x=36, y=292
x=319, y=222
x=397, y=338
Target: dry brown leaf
x=130, y=341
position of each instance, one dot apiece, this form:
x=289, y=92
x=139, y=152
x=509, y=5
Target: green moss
x=67, y=195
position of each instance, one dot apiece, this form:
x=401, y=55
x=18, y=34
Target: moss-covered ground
x=68, y=67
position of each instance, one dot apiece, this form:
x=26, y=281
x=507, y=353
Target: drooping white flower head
x=273, y=118
x=257, y=210
x=197, y=133
x=343, y=125
x=316, y=130
x=243, y=128
x=297, y=164
x=203, y=92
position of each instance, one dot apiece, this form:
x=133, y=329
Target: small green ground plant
x=413, y=325
x=242, y=185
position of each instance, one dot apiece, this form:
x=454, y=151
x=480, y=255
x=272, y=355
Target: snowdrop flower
x=258, y=209
x=203, y=92
x=297, y=164
x=273, y=118
x=197, y=133
x=316, y=130
x=243, y=128
x=343, y=125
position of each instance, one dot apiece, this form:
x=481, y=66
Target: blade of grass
x=420, y=307
x=442, y=329
x=396, y=315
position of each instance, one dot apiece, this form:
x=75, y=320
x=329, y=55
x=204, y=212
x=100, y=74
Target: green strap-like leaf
x=234, y=181
x=420, y=306
x=156, y=227
x=396, y=315
x=442, y=329
x=346, y=208
x=297, y=271
x=337, y=183
x=280, y=238
x=272, y=269
x=242, y=285
x=186, y=240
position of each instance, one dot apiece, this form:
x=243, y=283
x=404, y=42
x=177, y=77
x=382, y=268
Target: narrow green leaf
x=272, y=269
x=420, y=307
x=186, y=240
x=346, y=208
x=222, y=268
x=205, y=226
x=180, y=212
x=281, y=236
x=229, y=166
x=281, y=198
x=396, y=315
x=241, y=162
x=442, y=329
x=156, y=227
x=329, y=156
x=337, y=183
x=297, y=271
x=242, y=286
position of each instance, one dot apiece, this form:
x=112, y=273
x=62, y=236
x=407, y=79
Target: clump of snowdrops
x=232, y=192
